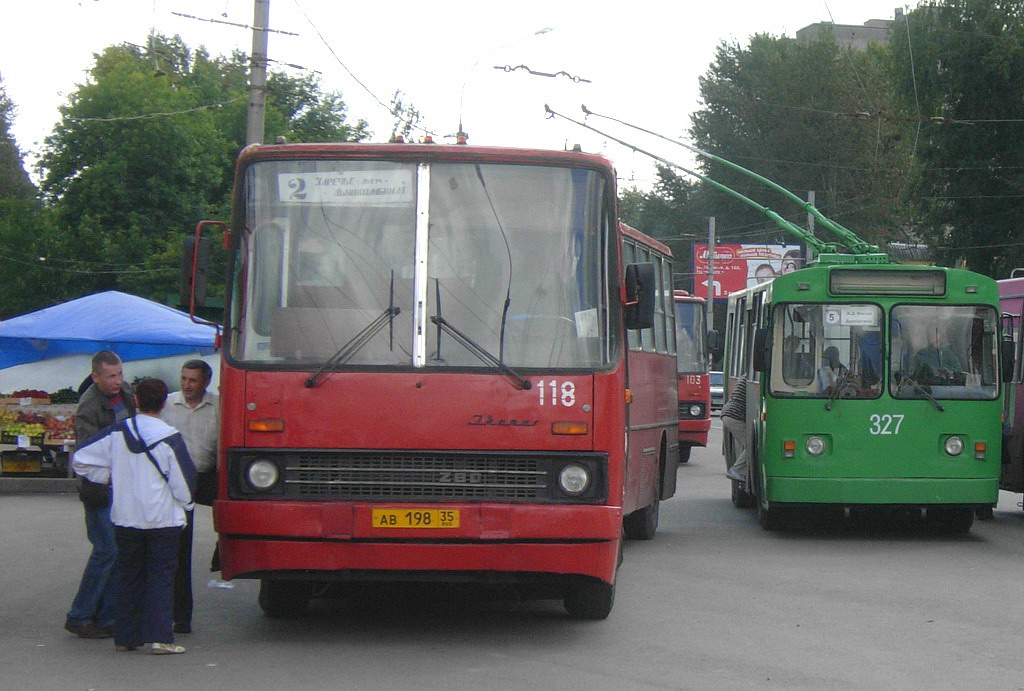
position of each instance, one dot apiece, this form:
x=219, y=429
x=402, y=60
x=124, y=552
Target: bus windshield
x=691, y=356
x=827, y=351
x=943, y=352
x=333, y=252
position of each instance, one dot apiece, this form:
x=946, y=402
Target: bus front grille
x=409, y=476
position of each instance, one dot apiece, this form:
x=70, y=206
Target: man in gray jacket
x=105, y=402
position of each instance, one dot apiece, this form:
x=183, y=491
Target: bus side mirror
x=761, y=350
x=638, y=311
x=1007, y=354
x=194, y=273
x=714, y=343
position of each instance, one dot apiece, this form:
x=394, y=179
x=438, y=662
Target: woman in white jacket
x=146, y=462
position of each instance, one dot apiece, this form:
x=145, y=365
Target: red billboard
x=740, y=266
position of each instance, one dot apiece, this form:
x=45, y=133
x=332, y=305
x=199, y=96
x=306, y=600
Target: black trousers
x=183, y=576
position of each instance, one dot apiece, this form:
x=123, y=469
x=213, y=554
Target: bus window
x=827, y=351
x=943, y=352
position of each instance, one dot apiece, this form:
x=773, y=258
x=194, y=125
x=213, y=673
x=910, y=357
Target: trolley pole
x=258, y=73
x=808, y=250
x=711, y=273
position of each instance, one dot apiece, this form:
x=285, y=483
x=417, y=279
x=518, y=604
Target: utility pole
x=258, y=73
x=711, y=273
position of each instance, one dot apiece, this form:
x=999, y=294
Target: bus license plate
x=416, y=518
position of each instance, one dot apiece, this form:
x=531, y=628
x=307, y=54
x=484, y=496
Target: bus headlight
x=262, y=475
x=574, y=480
x=696, y=411
x=954, y=446
x=815, y=446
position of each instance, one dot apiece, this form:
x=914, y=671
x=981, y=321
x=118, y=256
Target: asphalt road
x=712, y=602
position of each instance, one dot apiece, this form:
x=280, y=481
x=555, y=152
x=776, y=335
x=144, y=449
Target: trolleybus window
x=943, y=352
x=692, y=356
x=827, y=351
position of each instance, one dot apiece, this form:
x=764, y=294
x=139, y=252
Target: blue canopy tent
x=132, y=327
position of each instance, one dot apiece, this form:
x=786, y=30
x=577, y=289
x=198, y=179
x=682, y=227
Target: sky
x=638, y=61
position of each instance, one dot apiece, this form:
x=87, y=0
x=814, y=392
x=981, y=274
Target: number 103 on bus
x=417, y=518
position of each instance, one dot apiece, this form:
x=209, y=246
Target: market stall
x=45, y=355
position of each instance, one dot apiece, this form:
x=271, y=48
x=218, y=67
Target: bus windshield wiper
x=355, y=343
x=841, y=383
x=927, y=395
x=481, y=352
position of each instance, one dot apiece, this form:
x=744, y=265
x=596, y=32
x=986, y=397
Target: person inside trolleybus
x=936, y=363
x=832, y=373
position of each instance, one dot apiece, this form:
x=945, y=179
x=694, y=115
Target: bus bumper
x=912, y=491
x=260, y=537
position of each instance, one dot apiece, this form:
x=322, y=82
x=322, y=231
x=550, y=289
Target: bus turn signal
x=266, y=425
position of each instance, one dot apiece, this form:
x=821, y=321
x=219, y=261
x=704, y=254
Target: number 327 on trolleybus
x=440, y=363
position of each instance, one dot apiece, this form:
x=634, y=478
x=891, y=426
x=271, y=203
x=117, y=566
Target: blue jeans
x=144, y=573
x=94, y=603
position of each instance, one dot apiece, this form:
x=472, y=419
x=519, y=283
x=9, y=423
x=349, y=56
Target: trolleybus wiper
x=354, y=344
x=481, y=352
x=841, y=383
x=927, y=395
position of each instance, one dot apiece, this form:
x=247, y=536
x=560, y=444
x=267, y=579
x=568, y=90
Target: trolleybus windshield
x=828, y=351
x=331, y=246
x=943, y=352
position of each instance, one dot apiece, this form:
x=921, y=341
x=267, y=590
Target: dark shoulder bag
x=93, y=494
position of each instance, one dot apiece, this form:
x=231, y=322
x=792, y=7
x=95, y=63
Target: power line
x=237, y=24
x=147, y=116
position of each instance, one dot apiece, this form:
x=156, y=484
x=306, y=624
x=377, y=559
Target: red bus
x=692, y=367
x=440, y=363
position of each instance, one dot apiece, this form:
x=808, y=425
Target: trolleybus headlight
x=954, y=446
x=262, y=475
x=574, y=479
x=815, y=446
x=696, y=411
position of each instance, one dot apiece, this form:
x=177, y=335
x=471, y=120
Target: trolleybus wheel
x=280, y=599
x=589, y=598
x=984, y=513
x=954, y=521
x=684, y=453
x=741, y=498
x=770, y=519
x=642, y=524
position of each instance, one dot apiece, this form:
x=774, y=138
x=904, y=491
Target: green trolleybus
x=868, y=384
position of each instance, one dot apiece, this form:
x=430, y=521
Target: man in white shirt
x=146, y=462
x=195, y=413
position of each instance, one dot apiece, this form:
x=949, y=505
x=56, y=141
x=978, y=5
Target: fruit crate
x=8, y=438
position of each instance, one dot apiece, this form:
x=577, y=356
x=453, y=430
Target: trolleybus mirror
x=1007, y=350
x=761, y=350
x=640, y=294
x=1007, y=355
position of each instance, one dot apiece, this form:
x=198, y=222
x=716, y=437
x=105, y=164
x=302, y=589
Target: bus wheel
x=280, y=599
x=589, y=598
x=984, y=513
x=642, y=524
x=684, y=453
x=955, y=521
x=741, y=498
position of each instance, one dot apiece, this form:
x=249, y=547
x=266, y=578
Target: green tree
x=812, y=116
x=959, y=66
x=14, y=181
x=146, y=148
